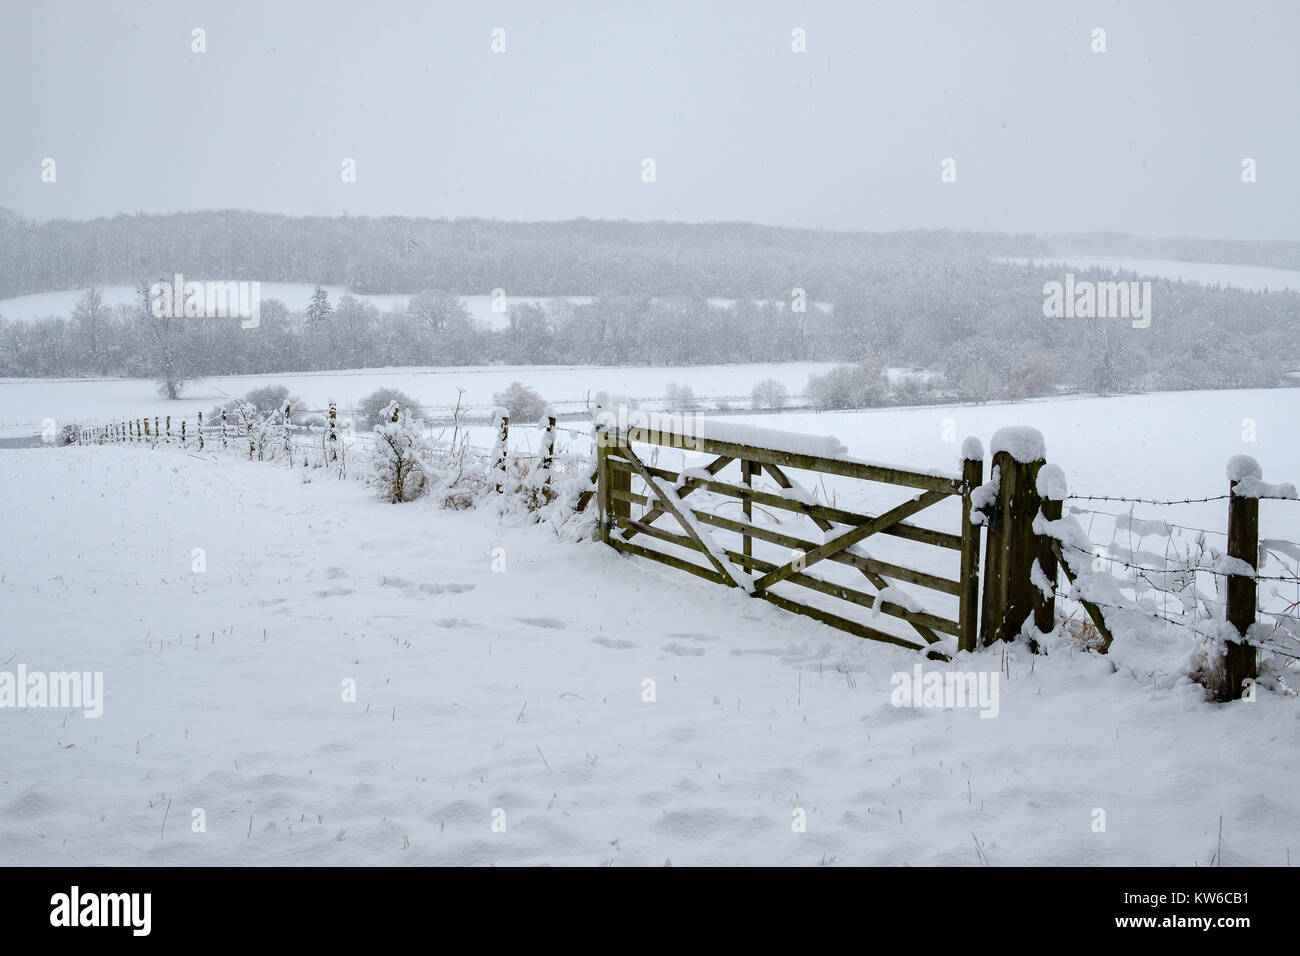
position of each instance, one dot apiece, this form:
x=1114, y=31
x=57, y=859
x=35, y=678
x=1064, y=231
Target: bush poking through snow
x=769, y=395
x=522, y=403
x=373, y=409
x=681, y=398
x=397, y=469
x=847, y=386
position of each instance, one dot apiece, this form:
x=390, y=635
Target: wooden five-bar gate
x=666, y=516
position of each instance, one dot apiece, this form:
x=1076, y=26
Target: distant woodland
x=931, y=299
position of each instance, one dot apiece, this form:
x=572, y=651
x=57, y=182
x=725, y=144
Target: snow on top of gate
x=690, y=425
x=797, y=443
x=1021, y=442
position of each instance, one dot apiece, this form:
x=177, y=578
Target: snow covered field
x=26, y=402
x=518, y=697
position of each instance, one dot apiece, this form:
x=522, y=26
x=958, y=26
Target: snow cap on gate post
x=972, y=449
x=1022, y=442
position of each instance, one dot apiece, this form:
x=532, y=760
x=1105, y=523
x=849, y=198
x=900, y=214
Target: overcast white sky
x=1048, y=136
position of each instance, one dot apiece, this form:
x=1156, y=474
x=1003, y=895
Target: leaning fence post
x=1051, y=491
x=972, y=476
x=1018, y=453
x=1240, y=664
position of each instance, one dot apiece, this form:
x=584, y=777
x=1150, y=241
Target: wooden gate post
x=1240, y=664
x=972, y=475
x=602, y=481
x=1018, y=453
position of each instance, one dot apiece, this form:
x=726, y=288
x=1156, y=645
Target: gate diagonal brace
x=835, y=545
x=695, y=533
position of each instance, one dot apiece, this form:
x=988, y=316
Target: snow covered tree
x=397, y=469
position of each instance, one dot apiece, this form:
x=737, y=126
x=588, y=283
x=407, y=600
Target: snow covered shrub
x=521, y=402
x=681, y=398
x=374, y=408
x=611, y=400
x=847, y=386
x=769, y=395
x=397, y=469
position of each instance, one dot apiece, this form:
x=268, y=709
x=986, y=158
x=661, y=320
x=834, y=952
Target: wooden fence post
x=224, y=443
x=183, y=433
x=1051, y=491
x=333, y=436
x=1240, y=664
x=146, y=428
x=200, y=431
x=169, y=430
x=1018, y=453
x=972, y=474
x=503, y=437
x=288, y=451
x=548, y=455
x=747, y=471
x=602, y=480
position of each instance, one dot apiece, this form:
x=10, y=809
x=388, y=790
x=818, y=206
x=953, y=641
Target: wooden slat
x=712, y=468
x=686, y=524
x=832, y=466
x=861, y=598
x=921, y=578
x=618, y=544
x=852, y=536
x=835, y=621
x=931, y=536
x=663, y=534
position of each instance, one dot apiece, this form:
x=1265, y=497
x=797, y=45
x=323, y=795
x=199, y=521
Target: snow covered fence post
x=1240, y=663
x=548, y=448
x=224, y=443
x=972, y=475
x=200, y=431
x=334, y=438
x=288, y=451
x=1018, y=454
x=501, y=418
x=169, y=429
x=183, y=437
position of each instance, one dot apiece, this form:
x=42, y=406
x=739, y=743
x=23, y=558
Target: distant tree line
x=924, y=299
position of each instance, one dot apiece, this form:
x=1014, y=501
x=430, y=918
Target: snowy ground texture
x=485, y=697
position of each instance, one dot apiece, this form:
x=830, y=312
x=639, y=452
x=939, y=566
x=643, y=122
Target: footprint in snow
x=682, y=651
x=613, y=643
x=439, y=588
x=541, y=621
